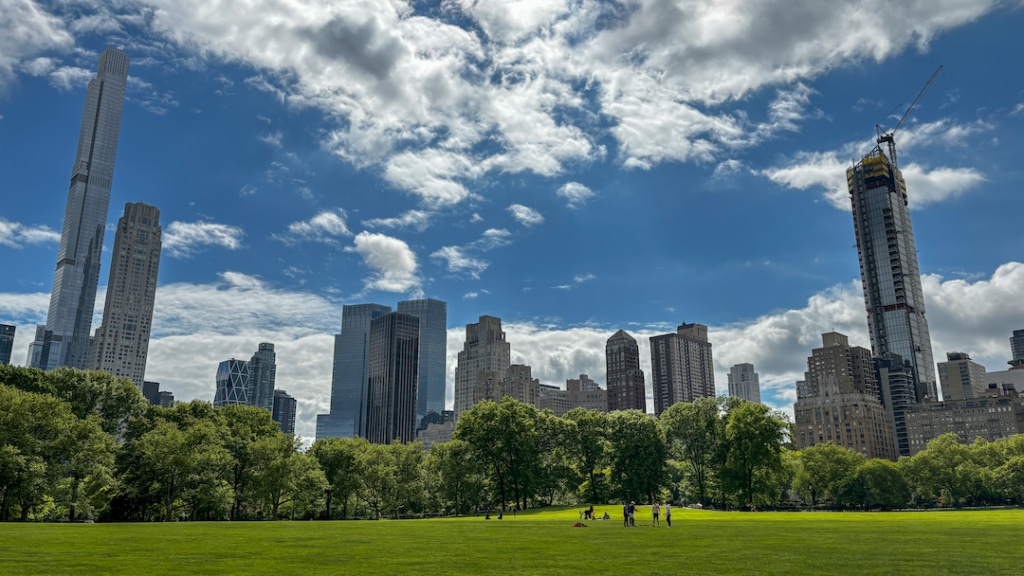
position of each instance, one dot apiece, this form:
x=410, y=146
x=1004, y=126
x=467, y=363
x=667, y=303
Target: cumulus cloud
x=26, y=30
x=418, y=220
x=466, y=259
x=326, y=227
x=273, y=138
x=392, y=261
x=525, y=215
x=183, y=239
x=16, y=235
x=575, y=193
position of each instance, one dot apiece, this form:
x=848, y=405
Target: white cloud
x=27, y=29
x=273, y=138
x=392, y=261
x=470, y=295
x=182, y=239
x=418, y=220
x=16, y=235
x=70, y=77
x=525, y=215
x=1018, y=109
x=576, y=281
x=325, y=227
x=575, y=193
x=462, y=259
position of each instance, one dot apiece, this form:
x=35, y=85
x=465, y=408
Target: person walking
x=655, y=510
x=668, y=514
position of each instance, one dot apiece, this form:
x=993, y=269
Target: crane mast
x=887, y=137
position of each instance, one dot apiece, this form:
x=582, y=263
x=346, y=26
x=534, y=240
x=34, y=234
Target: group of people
x=629, y=514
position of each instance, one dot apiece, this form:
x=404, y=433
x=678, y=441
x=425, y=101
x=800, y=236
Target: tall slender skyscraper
x=485, y=350
x=626, y=388
x=121, y=343
x=262, y=376
x=391, y=384
x=284, y=411
x=743, y=383
x=65, y=341
x=348, y=381
x=888, y=267
x=1017, y=349
x=433, y=315
x=682, y=367
x=6, y=342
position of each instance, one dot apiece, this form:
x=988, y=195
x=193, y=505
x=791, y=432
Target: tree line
x=82, y=445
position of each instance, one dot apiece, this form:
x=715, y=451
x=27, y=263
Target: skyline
x=698, y=198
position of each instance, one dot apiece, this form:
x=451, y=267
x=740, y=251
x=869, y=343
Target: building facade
x=898, y=393
x=583, y=392
x=682, y=367
x=232, y=383
x=433, y=371
x=997, y=414
x=961, y=378
x=349, y=375
x=392, y=381
x=485, y=350
x=262, y=377
x=6, y=342
x=284, y=411
x=744, y=383
x=120, y=345
x=840, y=403
x=516, y=382
x=65, y=340
x=1017, y=349
x=162, y=398
x=626, y=387
x=889, y=269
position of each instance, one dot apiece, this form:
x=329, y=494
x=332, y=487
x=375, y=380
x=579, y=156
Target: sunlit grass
x=699, y=542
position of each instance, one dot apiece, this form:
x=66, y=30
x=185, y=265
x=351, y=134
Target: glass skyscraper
x=433, y=315
x=392, y=379
x=888, y=266
x=65, y=340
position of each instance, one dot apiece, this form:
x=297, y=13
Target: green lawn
x=699, y=542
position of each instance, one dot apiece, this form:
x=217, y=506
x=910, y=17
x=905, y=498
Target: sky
x=573, y=167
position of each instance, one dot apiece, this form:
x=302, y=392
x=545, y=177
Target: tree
x=943, y=469
x=340, y=460
x=881, y=484
x=455, y=476
x=285, y=476
x=822, y=468
x=695, y=433
x=586, y=450
x=754, y=435
x=638, y=454
x=245, y=427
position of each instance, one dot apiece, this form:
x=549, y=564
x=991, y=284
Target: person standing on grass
x=632, y=514
x=655, y=510
x=668, y=514
x=625, y=515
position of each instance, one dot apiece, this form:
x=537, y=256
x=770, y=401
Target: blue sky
x=573, y=167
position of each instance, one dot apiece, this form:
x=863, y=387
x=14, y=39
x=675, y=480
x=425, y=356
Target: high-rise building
x=996, y=413
x=744, y=383
x=284, y=411
x=262, y=376
x=392, y=381
x=349, y=377
x=961, y=378
x=6, y=342
x=888, y=264
x=65, y=340
x=626, y=389
x=516, y=382
x=839, y=401
x=1017, y=349
x=485, y=349
x=232, y=383
x=121, y=343
x=897, y=391
x=433, y=375
x=682, y=367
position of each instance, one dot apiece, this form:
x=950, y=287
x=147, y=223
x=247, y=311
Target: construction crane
x=887, y=137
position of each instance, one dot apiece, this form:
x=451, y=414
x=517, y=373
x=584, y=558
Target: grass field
x=699, y=542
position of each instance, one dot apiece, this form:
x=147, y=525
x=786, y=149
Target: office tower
x=6, y=342
x=961, y=378
x=516, y=382
x=888, y=267
x=164, y=399
x=897, y=391
x=151, y=391
x=433, y=377
x=743, y=383
x=840, y=401
x=392, y=378
x=583, y=392
x=1017, y=349
x=681, y=366
x=626, y=390
x=348, y=380
x=121, y=343
x=262, y=375
x=485, y=349
x=284, y=411
x=65, y=341
x=232, y=383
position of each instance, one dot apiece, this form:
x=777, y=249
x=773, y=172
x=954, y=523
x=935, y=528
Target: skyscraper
x=391, y=389
x=682, y=367
x=1017, y=349
x=6, y=342
x=961, y=378
x=121, y=343
x=485, y=349
x=284, y=411
x=888, y=266
x=262, y=376
x=743, y=383
x=433, y=377
x=626, y=389
x=232, y=383
x=348, y=381
x=65, y=341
